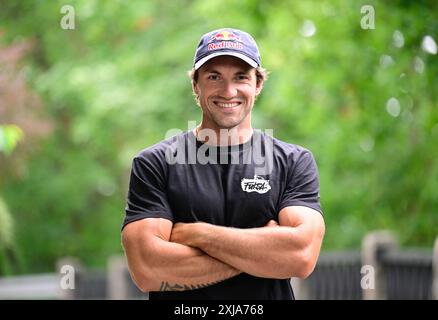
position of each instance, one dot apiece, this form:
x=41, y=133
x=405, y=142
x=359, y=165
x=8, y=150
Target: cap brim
x=247, y=59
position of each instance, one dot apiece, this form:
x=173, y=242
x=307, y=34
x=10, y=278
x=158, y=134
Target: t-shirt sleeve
x=147, y=190
x=302, y=187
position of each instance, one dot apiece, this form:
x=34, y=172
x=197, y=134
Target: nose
x=228, y=90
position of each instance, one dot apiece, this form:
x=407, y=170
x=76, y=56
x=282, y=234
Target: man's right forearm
x=168, y=266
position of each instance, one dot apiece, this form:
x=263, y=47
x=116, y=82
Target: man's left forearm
x=263, y=252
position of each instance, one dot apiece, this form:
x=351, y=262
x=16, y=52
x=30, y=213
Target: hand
x=179, y=233
x=272, y=223
x=185, y=233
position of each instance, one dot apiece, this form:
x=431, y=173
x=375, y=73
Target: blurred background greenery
x=77, y=105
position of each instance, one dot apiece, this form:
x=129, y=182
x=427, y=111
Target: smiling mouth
x=227, y=105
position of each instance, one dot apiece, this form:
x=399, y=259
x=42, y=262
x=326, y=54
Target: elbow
x=307, y=264
x=143, y=282
x=145, y=287
x=299, y=265
x=305, y=271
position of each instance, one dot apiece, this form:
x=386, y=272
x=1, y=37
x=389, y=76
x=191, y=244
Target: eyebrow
x=237, y=73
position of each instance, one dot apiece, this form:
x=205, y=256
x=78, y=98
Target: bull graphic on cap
x=224, y=36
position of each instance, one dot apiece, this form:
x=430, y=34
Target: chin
x=228, y=124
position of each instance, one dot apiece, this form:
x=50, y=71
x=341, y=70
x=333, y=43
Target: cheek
x=251, y=94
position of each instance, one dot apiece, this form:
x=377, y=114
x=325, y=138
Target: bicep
x=308, y=222
x=138, y=232
x=141, y=237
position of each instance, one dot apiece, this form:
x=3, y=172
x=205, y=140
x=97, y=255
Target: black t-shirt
x=243, y=186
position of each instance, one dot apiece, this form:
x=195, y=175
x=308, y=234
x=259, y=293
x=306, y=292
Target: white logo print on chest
x=258, y=184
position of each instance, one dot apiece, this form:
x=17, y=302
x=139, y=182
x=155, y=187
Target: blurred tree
x=20, y=115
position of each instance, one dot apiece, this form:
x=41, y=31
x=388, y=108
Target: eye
x=213, y=77
x=242, y=77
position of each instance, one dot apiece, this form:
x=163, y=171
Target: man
x=223, y=211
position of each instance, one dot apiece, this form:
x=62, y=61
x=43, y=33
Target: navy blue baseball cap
x=227, y=42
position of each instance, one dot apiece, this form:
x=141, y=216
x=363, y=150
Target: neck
x=222, y=136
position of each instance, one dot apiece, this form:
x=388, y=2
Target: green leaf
x=9, y=137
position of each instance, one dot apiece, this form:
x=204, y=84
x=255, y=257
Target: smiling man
x=227, y=226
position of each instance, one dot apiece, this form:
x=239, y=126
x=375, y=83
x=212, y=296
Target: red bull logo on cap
x=224, y=39
x=224, y=36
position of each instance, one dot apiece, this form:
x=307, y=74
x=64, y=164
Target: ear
x=259, y=87
x=196, y=92
x=195, y=88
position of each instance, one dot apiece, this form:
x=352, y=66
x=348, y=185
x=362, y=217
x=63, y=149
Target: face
x=227, y=89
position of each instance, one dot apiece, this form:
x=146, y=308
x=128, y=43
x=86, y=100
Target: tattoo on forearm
x=166, y=286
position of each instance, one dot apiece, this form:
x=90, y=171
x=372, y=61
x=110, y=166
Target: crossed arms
x=185, y=256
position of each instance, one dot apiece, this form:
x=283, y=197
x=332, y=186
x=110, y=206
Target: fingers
x=272, y=223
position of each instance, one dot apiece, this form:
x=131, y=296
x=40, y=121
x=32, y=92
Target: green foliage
x=364, y=104
x=6, y=238
x=6, y=225
x=9, y=136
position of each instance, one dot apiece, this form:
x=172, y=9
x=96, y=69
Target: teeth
x=227, y=105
